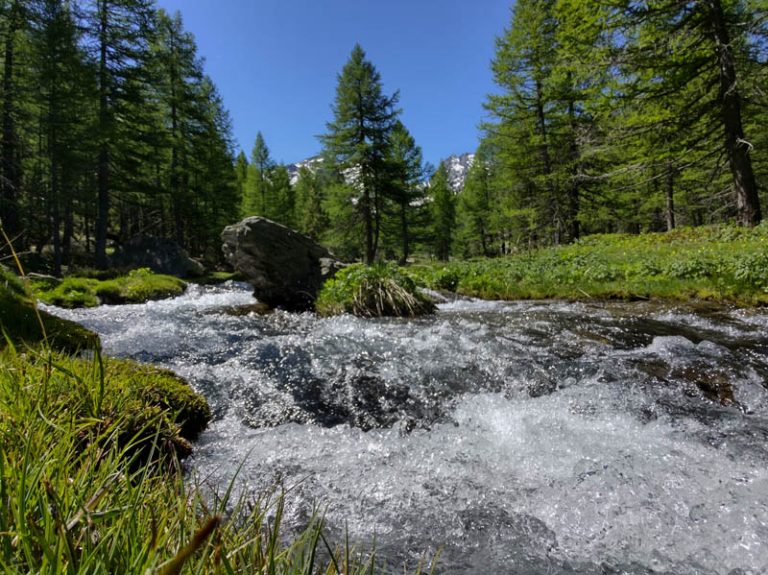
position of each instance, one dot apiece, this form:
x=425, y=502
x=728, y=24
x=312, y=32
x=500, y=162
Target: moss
x=138, y=286
x=22, y=323
x=163, y=389
x=216, y=278
x=70, y=293
x=372, y=291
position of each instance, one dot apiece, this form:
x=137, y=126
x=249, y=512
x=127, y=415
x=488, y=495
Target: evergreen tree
x=405, y=187
x=63, y=102
x=257, y=196
x=357, y=142
x=283, y=197
x=120, y=30
x=443, y=213
x=13, y=20
x=673, y=46
x=312, y=219
x=475, y=209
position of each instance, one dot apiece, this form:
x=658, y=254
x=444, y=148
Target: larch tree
x=357, y=142
x=672, y=45
x=405, y=189
x=257, y=196
x=443, y=208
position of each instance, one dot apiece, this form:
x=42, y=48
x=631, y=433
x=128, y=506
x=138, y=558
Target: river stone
x=285, y=268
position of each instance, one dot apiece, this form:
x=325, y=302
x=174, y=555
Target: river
x=521, y=437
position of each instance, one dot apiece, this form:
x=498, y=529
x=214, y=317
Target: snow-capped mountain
x=311, y=164
x=457, y=166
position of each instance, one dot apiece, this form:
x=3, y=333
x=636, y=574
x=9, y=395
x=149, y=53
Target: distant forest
x=609, y=116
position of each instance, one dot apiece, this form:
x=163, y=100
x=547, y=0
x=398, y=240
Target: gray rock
x=285, y=268
x=161, y=255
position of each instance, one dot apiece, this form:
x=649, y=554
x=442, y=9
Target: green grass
x=372, y=291
x=720, y=263
x=137, y=286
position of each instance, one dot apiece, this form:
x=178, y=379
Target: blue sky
x=275, y=63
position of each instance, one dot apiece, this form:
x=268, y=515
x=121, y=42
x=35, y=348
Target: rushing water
x=518, y=437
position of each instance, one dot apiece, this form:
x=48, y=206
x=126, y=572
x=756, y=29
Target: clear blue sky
x=275, y=63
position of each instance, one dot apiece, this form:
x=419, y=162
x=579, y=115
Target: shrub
x=372, y=291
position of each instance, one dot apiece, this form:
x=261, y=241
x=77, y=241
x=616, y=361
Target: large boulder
x=285, y=268
x=162, y=256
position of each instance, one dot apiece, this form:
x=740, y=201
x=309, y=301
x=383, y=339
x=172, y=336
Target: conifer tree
x=443, y=213
x=312, y=219
x=257, y=196
x=120, y=30
x=357, y=142
x=405, y=187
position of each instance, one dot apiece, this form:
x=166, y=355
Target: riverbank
x=724, y=263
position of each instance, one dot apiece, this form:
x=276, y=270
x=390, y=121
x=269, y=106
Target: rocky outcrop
x=162, y=256
x=285, y=268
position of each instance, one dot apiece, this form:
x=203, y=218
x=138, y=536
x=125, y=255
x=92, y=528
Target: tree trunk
x=669, y=192
x=10, y=168
x=736, y=146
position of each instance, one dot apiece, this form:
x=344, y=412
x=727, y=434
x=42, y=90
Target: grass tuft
x=372, y=291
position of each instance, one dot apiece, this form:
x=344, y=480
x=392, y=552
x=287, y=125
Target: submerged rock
x=285, y=268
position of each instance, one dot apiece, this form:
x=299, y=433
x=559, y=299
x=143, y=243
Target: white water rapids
x=518, y=437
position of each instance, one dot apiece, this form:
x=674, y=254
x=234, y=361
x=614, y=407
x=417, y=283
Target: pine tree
x=357, y=142
x=14, y=19
x=63, y=101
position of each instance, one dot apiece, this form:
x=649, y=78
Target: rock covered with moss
x=380, y=290
x=23, y=323
x=138, y=286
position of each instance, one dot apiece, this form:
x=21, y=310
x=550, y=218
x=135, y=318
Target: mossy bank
x=137, y=286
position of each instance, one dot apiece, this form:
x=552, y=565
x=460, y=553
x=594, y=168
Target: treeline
x=610, y=116
x=622, y=116
x=110, y=128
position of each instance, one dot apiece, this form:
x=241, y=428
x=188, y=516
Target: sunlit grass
x=722, y=263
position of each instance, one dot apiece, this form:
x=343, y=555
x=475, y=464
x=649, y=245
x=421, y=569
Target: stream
x=520, y=437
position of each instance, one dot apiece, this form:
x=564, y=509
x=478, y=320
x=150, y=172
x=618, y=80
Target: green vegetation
x=138, y=286
x=22, y=323
x=78, y=497
x=722, y=263
x=372, y=291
